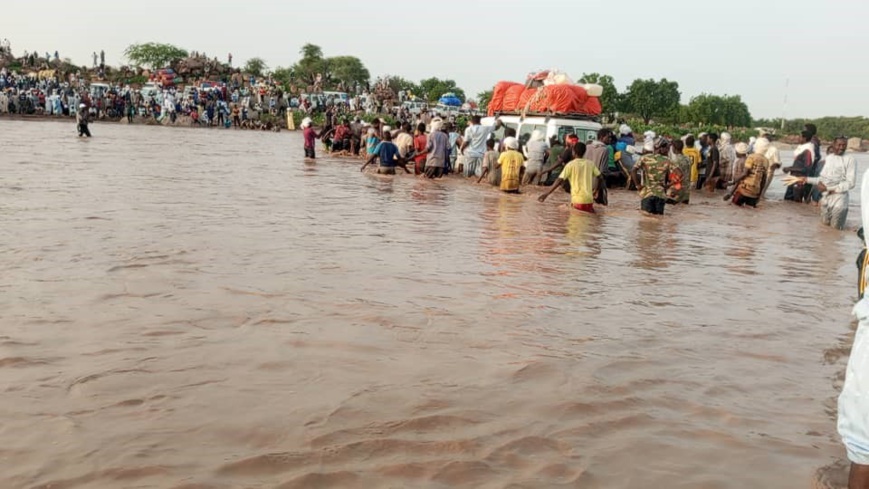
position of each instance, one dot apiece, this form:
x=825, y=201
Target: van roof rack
x=549, y=115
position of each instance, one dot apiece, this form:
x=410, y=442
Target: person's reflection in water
x=502, y=238
x=424, y=192
x=656, y=244
x=740, y=254
x=583, y=238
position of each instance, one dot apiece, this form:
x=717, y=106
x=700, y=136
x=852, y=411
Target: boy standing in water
x=490, y=162
x=310, y=136
x=581, y=174
x=388, y=153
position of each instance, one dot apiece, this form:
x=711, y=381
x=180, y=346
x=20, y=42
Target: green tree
x=284, y=76
x=346, y=69
x=153, y=55
x=650, y=98
x=256, y=67
x=397, y=84
x=728, y=111
x=483, y=98
x=610, y=100
x=311, y=64
x=432, y=89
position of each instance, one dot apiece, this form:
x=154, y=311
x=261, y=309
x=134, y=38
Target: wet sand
x=202, y=309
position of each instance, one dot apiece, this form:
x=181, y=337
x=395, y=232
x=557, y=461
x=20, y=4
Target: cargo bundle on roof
x=546, y=92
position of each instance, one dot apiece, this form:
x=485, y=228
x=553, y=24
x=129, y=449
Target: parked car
x=151, y=90
x=415, y=107
x=165, y=77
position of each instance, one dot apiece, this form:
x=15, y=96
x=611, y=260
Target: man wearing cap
x=511, y=164
x=81, y=118
x=437, y=150
x=626, y=135
x=656, y=175
x=752, y=177
x=837, y=179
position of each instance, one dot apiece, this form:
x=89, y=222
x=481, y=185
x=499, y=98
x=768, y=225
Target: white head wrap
x=761, y=146
x=537, y=135
x=725, y=137
x=624, y=129
x=511, y=143
x=306, y=122
x=649, y=145
x=741, y=148
x=650, y=135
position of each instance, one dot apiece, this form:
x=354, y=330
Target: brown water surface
x=201, y=309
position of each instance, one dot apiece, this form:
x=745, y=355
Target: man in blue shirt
x=389, y=156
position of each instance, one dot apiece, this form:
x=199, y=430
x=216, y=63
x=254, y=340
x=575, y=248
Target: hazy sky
x=745, y=47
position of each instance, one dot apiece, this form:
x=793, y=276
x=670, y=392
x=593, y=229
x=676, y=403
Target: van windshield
x=526, y=129
x=584, y=135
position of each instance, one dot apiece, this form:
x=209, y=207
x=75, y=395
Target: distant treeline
x=828, y=127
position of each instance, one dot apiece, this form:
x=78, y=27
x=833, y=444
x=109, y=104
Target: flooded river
x=202, y=309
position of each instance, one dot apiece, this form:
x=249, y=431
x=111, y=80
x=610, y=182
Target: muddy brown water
x=202, y=309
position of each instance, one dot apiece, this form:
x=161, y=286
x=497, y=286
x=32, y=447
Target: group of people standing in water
x=663, y=171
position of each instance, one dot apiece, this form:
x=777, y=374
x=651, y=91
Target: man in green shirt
x=656, y=174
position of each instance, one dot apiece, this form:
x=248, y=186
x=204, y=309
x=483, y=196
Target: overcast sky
x=745, y=47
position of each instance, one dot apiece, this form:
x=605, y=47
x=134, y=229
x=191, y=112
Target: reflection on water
x=212, y=312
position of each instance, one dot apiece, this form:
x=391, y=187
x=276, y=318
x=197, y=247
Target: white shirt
x=839, y=174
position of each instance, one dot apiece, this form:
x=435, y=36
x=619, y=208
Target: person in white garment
x=837, y=179
x=854, y=401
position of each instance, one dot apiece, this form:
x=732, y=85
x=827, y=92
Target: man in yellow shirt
x=693, y=155
x=510, y=162
x=581, y=175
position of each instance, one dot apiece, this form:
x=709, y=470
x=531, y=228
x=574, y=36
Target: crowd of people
x=663, y=170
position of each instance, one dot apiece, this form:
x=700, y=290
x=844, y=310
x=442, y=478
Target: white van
x=560, y=126
x=337, y=96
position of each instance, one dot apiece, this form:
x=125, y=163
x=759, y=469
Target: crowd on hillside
x=222, y=104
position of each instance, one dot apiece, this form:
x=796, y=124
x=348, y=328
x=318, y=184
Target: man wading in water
x=311, y=137
x=388, y=153
x=581, y=174
x=837, y=178
x=656, y=176
x=81, y=117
